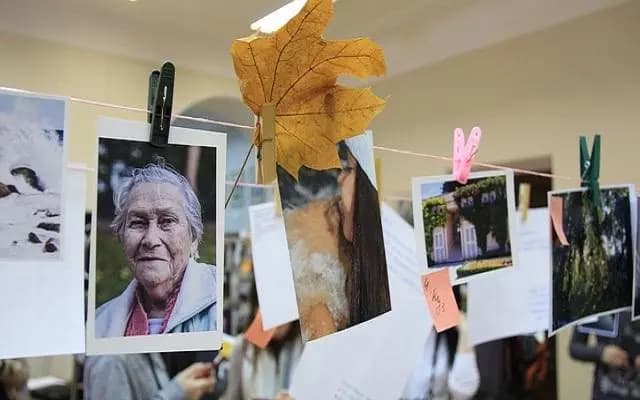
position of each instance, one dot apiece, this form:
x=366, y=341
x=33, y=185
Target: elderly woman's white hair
x=156, y=173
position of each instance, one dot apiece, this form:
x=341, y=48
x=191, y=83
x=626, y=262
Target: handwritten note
x=257, y=335
x=442, y=303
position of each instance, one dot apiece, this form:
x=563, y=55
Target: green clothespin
x=590, y=168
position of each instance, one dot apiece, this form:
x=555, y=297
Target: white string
x=234, y=125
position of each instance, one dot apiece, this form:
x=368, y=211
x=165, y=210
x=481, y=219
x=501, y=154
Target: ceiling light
x=274, y=21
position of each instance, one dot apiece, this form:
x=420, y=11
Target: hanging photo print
x=592, y=253
x=32, y=156
x=467, y=228
x=156, y=278
x=334, y=233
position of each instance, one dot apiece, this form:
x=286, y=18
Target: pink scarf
x=138, y=324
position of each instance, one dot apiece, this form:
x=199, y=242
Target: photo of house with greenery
x=467, y=225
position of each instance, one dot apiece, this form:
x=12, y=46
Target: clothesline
x=249, y=127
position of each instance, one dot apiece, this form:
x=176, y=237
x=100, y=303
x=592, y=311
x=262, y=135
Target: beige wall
x=533, y=97
x=47, y=67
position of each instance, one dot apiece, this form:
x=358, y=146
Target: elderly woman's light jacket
x=194, y=310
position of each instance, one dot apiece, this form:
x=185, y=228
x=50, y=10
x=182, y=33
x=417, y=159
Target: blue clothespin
x=160, y=103
x=590, y=168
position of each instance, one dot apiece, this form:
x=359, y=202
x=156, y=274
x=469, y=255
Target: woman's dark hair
x=368, y=282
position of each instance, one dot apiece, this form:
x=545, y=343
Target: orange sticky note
x=557, y=204
x=257, y=335
x=442, y=303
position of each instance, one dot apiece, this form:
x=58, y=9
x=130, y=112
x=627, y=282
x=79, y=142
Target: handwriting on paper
x=440, y=299
x=257, y=335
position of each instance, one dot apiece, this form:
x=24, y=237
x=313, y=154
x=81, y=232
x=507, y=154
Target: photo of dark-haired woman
x=334, y=232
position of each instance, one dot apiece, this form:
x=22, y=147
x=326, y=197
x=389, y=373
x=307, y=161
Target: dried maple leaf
x=296, y=70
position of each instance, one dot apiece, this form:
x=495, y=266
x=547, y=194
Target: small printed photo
x=465, y=227
x=592, y=254
x=604, y=325
x=32, y=156
x=157, y=265
x=336, y=247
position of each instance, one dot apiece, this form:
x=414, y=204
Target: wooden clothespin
x=463, y=153
x=266, y=147
x=266, y=167
x=160, y=104
x=590, y=168
x=524, y=198
x=276, y=198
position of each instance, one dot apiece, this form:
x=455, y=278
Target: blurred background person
x=446, y=369
x=13, y=379
x=617, y=360
x=264, y=373
x=144, y=377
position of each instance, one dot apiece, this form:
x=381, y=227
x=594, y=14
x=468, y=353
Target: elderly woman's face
x=157, y=238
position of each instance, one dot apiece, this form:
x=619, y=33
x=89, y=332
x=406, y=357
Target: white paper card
x=43, y=312
x=194, y=165
x=515, y=301
x=272, y=266
x=373, y=360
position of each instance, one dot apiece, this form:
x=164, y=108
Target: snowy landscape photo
x=32, y=133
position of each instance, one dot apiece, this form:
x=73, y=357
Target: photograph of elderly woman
x=593, y=273
x=155, y=244
x=31, y=169
x=334, y=233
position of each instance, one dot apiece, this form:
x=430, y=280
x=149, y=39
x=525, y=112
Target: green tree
x=484, y=204
x=434, y=214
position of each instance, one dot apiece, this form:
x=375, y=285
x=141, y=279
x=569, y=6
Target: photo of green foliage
x=594, y=273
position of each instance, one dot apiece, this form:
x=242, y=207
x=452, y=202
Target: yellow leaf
x=297, y=70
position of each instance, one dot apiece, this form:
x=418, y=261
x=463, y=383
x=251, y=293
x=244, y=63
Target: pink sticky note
x=257, y=335
x=442, y=303
x=556, y=210
x=463, y=153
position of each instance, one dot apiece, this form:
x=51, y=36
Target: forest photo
x=594, y=273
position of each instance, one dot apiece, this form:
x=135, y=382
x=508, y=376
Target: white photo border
x=190, y=341
x=418, y=223
x=633, y=210
x=636, y=265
